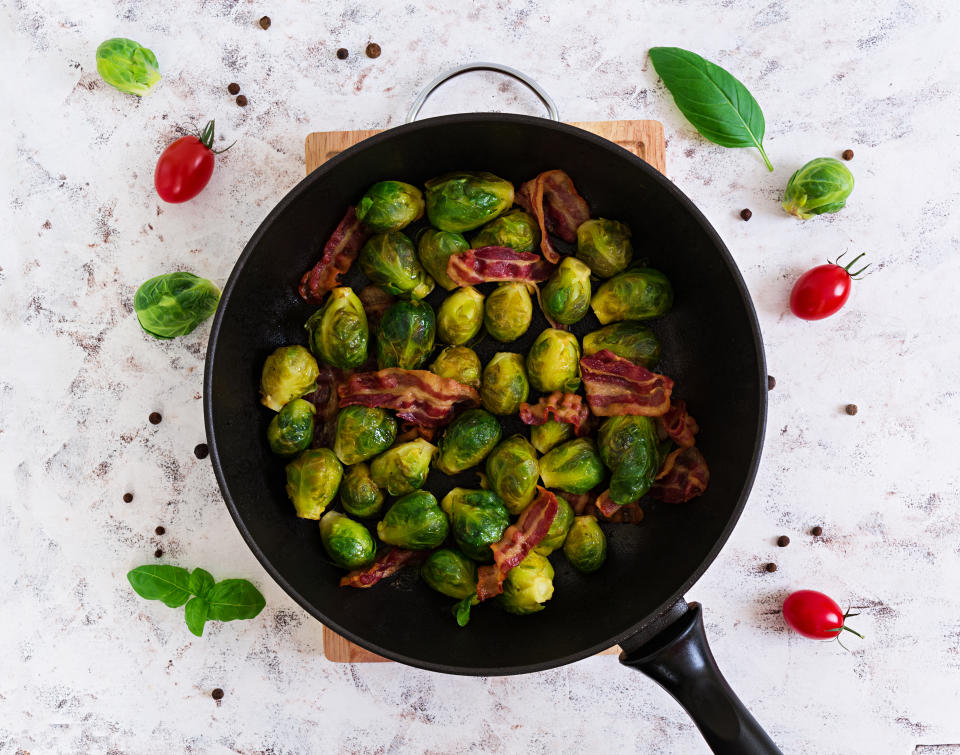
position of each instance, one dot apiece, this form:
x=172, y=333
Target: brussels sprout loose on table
x=604, y=245
x=128, y=66
x=389, y=206
x=821, y=186
x=637, y=294
x=403, y=468
x=291, y=429
x=313, y=479
x=414, y=521
x=460, y=363
x=508, y=311
x=288, y=373
x=550, y=434
x=435, y=248
x=460, y=316
x=451, y=573
x=586, y=545
x=559, y=528
x=362, y=433
x=504, y=384
x=467, y=441
x=553, y=362
x=347, y=542
x=478, y=519
x=359, y=494
x=465, y=200
x=338, y=331
x=513, y=471
x=389, y=260
x=629, y=447
x=515, y=230
x=406, y=334
x=573, y=467
x=174, y=304
x=528, y=585
x=628, y=339
x=566, y=295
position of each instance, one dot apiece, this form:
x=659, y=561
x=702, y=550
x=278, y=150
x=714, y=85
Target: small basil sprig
x=205, y=598
x=717, y=104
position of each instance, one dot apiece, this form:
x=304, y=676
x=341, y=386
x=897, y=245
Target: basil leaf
x=717, y=104
x=171, y=584
x=200, y=582
x=234, y=599
x=461, y=610
x=196, y=615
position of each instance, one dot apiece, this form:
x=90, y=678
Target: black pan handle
x=678, y=658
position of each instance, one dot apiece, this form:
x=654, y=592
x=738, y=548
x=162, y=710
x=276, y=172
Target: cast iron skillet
x=711, y=346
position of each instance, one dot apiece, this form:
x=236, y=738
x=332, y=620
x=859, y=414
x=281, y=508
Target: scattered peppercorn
x=265, y=22
x=201, y=451
x=851, y=409
x=242, y=100
x=127, y=497
x=155, y=418
x=217, y=694
x=783, y=541
x=160, y=530
x=771, y=382
x=373, y=50
x=233, y=88
x=157, y=553
x=343, y=53
x=817, y=531
x=771, y=567
x=847, y=154
x=746, y=214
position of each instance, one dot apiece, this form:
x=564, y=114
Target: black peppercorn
x=201, y=451
x=771, y=382
x=817, y=531
x=850, y=409
x=343, y=53
x=373, y=50
x=771, y=567
x=847, y=154
x=157, y=553
x=127, y=497
x=746, y=214
x=783, y=541
x=233, y=88
x=242, y=100
x=160, y=530
x=155, y=418
x=265, y=22
x=217, y=694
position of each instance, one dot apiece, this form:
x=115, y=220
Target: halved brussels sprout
x=288, y=373
x=820, y=186
x=390, y=260
x=573, y=467
x=389, y=206
x=504, y=386
x=312, y=481
x=460, y=316
x=513, y=471
x=291, y=429
x=566, y=295
x=550, y=434
x=478, y=519
x=627, y=339
x=467, y=441
x=338, y=330
x=404, y=467
x=515, y=230
x=435, y=248
x=508, y=311
x=363, y=432
x=604, y=245
x=127, y=65
x=405, y=336
x=629, y=447
x=637, y=294
x=553, y=362
x=451, y=573
x=464, y=200
x=359, y=494
x=348, y=543
x=559, y=528
x=174, y=304
x=586, y=545
x=460, y=363
x=528, y=585
x=415, y=521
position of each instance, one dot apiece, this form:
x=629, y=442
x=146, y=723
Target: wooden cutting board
x=643, y=138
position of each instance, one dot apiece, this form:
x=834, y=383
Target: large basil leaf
x=195, y=614
x=171, y=584
x=234, y=599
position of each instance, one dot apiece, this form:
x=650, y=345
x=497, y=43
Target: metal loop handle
x=545, y=98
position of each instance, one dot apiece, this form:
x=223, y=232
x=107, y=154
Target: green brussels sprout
x=359, y=494
x=450, y=572
x=559, y=528
x=504, y=385
x=604, y=245
x=460, y=363
x=628, y=339
x=463, y=200
x=513, y=471
x=460, y=316
x=338, y=331
x=467, y=441
x=415, y=521
x=629, y=445
x=528, y=585
x=550, y=434
x=405, y=336
x=478, y=519
x=389, y=206
x=403, y=468
x=288, y=373
x=291, y=429
x=347, y=542
x=820, y=186
x=312, y=481
x=389, y=260
x=586, y=545
x=508, y=311
x=553, y=362
x=435, y=248
x=363, y=432
x=566, y=295
x=638, y=294
x=573, y=467
x=515, y=230
x=174, y=304
x=127, y=66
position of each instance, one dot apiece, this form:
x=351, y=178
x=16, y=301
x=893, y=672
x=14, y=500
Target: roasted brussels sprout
x=415, y=521
x=460, y=363
x=288, y=373
x=528, y=585
x=566, y=296
x=291, y=429
x=637, y=294
x=359, y=494
x=405, y=336
x=586, y=545
x=312, y=481
x=389, y=206
x=508, y=311
x=338, y=330
x=553, y=362
x=127, y=66
x=504, y=385
x=627, y=339
x=629, y=445
x=573, y=467
x=347, y=542
x=550, y=434
x=450, y=572
x=404, y=467
x=460, y=316
x=513, y=472
x=558, y=528
x=435, y=248
x=390, y=260
x=516, y=230
x=604, y=245
x=463, y=200
x=467, y=441
x=820, y=186
x=478, y=519
x=363, y=432
x=174, y=304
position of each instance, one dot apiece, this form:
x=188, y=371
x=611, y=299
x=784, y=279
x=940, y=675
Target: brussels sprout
x=291, y=429
x=559, y=528
x=504, y=386
x=288, y=373
x=174, y=304
x=513, y=472
x=515, y=230
x=127, y=66
x=820, y=186
x=508, y=311
x=638, y=294
x=604, y=245
x=347, y=542
x=550, y=434
x=467, y=441
x=338, y=330
x=435, y=248
x=405, y=336
x=553, y=362
x=478, y=519
x=404, y=467
x=415, y=521
x=629, y=447
x=363, y=432
x=566, y=296
x=312, y=481
x=463, y=201
x=573, y=467
x=359, y=494
x=528, y=585
x=460, y=363
x=450, y=572
x=460, y=316
x=586, y=545
x=390, y=260
x=627, y=339
x=389, y=206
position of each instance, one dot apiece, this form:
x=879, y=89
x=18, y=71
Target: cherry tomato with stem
x=822, y=291
x=816, y=616
x=185, y=166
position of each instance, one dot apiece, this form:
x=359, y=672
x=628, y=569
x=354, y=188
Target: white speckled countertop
x=89, y=667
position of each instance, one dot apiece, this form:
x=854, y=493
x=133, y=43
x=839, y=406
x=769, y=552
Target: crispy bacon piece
x=417, y=396
x=553, y=200
x=563, y=407
x=679, y=425
x=375, y=302
x=411, y=431
x=610, y=511
x=489, y=582
x=615, y=385
x=682, y=476
x=579, y=502
x=386, y=565
x=325, y=399
x=339, y=253
x=496, y=263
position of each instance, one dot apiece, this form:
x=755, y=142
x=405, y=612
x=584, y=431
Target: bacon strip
x=489, y=582
x=615, y=385
x=563, y=407
x=375, y=302
x=386, y=565
x=682, y=476
x=679, y=425
x=610, y=511
x=553, y=200
x=327, y=404
x=417, y=396
x=579, y=502
x=339, y=253
x=411, y=431
x=496, y=263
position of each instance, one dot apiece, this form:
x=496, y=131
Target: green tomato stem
x=206, y=139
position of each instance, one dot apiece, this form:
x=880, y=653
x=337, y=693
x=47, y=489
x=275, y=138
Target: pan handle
x=545, y=98
x=678, y=658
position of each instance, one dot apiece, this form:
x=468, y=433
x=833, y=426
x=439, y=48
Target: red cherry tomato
x=822, y=291
x=816, y=615
x=185, y=167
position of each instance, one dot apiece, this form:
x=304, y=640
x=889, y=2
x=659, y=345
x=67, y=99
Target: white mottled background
x=89, y=667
